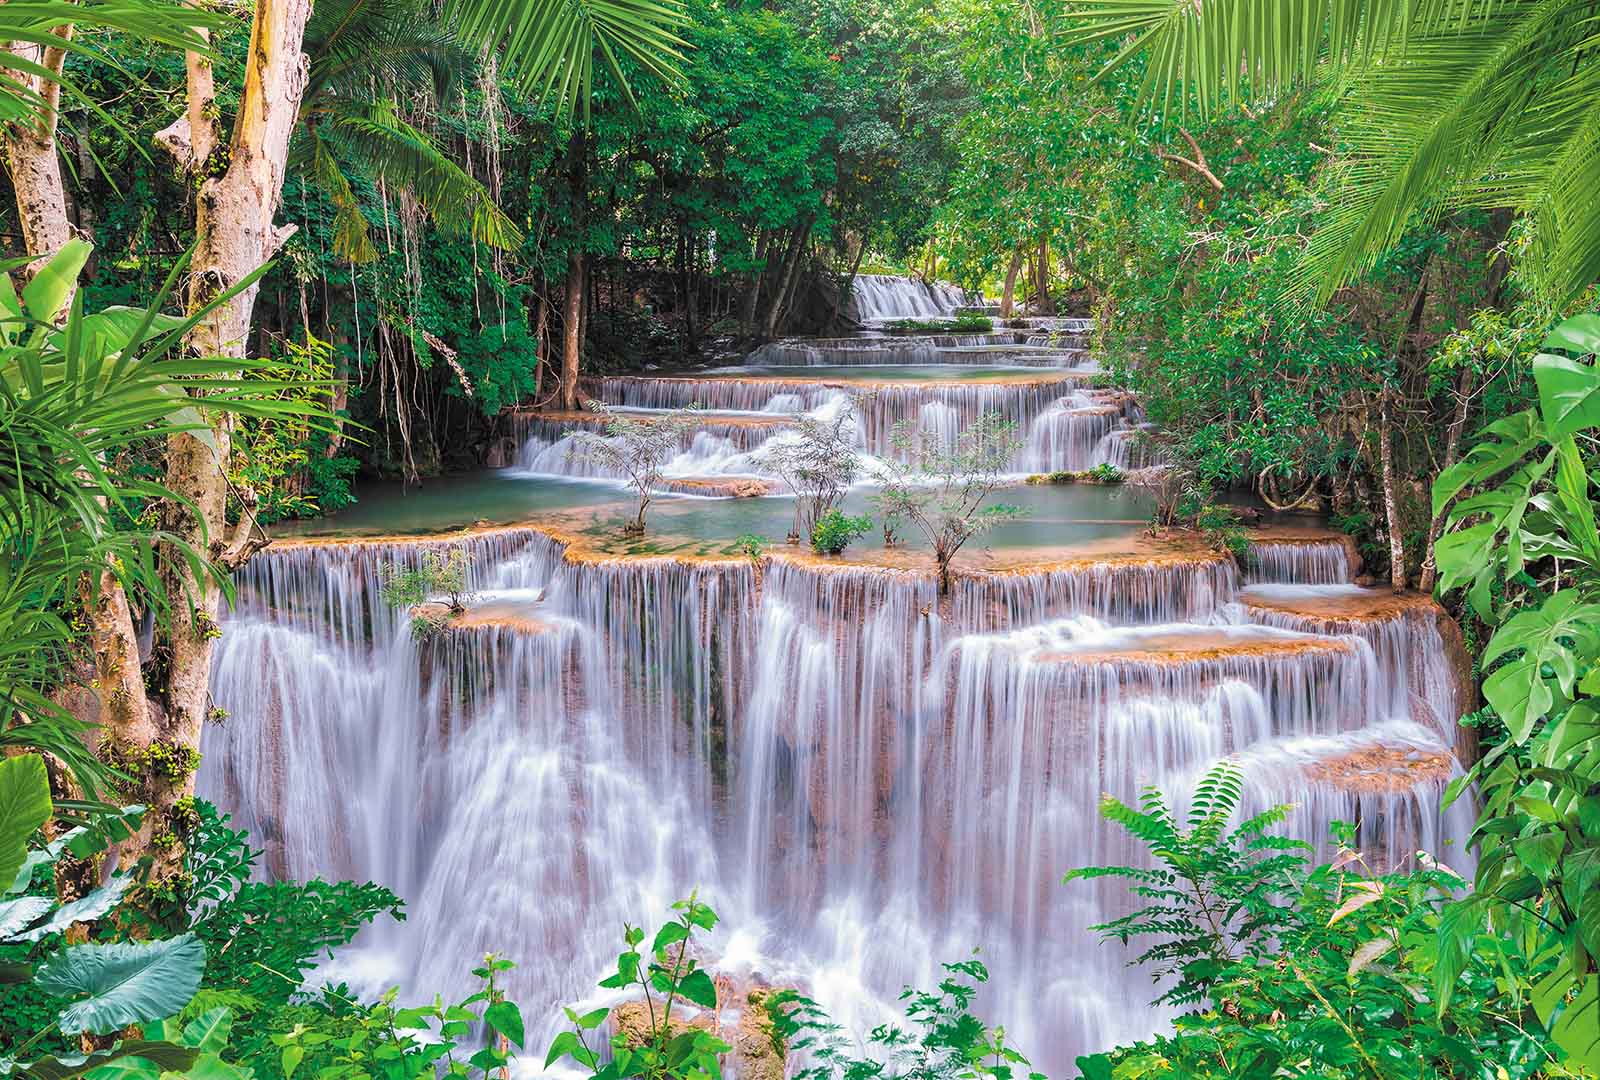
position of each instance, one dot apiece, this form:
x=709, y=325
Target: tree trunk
x=33, y=159
x=752, y=298
x=234, y=234
x=1008, y=297
x=1452, y=451
x=541, y=350
x=791, y=260
x=1391, y=504
x=1043, y=305
x=572, y=332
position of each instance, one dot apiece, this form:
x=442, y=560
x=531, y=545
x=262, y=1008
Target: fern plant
x=1213, y=889
x=1335, y=971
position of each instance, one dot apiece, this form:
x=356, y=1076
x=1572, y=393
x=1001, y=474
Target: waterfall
x=864, y=779
x=880, y=298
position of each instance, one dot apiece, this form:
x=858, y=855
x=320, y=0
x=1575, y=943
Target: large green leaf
x=125, y=982
x=87, y=908
x=150, y=1059
x=45, y=295
x=1563, y=632
x=1579, y=335
x=1569, y=394
x=24, y=808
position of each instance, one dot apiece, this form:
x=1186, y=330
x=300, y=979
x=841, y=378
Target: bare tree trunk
x=234, y=234
x=1043, y=305
x=572, y=332
x=1391, y=505
x=791, y=260
x=1452, y=452
x=752, y=298
x=1008, y=297
x=33, y=159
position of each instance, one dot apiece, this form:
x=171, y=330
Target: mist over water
x=863, y=780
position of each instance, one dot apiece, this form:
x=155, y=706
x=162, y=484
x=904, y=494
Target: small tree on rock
x=939, y=491
x=637, y=448
x=818, y=461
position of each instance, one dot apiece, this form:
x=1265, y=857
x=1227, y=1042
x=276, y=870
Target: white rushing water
x=880, y=298
x=862, y=787
x=865, y=782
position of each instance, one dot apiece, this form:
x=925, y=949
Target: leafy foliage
x=940, y=1040
x=638, y=450
x=1524, y=542
x=666, y=976
x=941, y=490
x=1331, y=971
x=834, y=531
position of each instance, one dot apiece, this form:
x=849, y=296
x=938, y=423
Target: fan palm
x=73, y=397
x=365, y=57
x=1450, y=104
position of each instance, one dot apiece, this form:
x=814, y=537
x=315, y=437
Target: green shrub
x=751, y=545
x=1284, y=964
x=834, y=531
x=435, y=574
x=1105, y=473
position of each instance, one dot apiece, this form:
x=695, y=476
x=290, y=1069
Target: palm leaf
x=373, y=136
x=549, y=45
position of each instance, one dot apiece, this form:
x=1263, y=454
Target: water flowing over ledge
x=866, y=778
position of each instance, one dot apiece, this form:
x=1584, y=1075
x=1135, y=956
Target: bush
x=1283, y=963
x=834, y=532
x=437, y=573
x=1105, y=473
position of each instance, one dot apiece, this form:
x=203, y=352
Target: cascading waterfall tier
x=882, y=297
x=864, y=778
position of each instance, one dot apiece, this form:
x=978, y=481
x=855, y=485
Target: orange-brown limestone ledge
x=592, y=535
x=1382, y=770
x=701, y=416
x=1340, y=606
x=1186, y=647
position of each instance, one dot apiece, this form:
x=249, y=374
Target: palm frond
x=397, y=46
x=36, y=22
x=1234, y=50
x=377, y=141
x=549, y=45
x=1423, y=130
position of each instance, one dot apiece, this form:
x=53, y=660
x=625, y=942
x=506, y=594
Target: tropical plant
x=941, y=490
x=834, y=531
x=75, y=398
x=100, y=988
x=637, y=450
x=940, y=1039
x=1525, y=545
x=366, y=58
x=817, y=460
x=387, y=1041
x=667, y=976
x=1334, y=971
x=1451, y=104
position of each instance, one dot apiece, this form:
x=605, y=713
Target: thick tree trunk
x=33, y=160
x=1009, y=296
x=234, y=234
x=1391, y=504
x=572, y=332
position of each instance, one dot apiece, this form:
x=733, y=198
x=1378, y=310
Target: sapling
x=940, y=491
x=818, y=460
x=637, y=448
